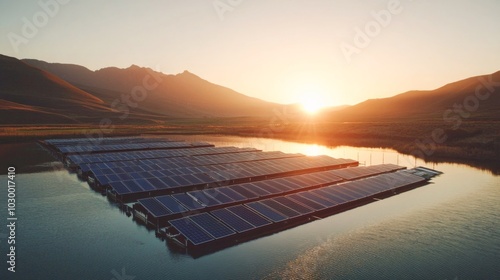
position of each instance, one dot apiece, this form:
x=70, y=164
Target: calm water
x=446, y=230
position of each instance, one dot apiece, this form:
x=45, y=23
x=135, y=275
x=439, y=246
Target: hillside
x=30, y=95
x=431, y=104
x=182, y=95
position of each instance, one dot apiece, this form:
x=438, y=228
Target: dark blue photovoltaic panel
x=249, y=215
x=331, y=194
x=135, y=175
x=287, y=183
x=266, y=211
x=171, y=183
x=268, y=187
x=145, y=185
x=157, y=183
x=133, y=186
x=293, y=205
x=232, y=220
x=204, y=199
x=359, y=188
x=154, y=207
x=318, y=199
x=191, y=231
x=232, y=194
x=120, y=188
x=192, y=179
x=181, y=181
x=278, y=207
x=244, y=191
x=354, y=194
x=171, y=204
x=335, y=190
x=311, y=204
x=218, y=196
x=256, y=189
x=113, y=178
x=188, y=201
x=211, y=225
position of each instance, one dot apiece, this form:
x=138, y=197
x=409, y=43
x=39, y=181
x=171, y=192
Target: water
x=449, y=229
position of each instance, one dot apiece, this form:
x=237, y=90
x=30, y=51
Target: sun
x=311, y=105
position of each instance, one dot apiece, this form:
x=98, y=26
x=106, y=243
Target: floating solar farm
x=204, y=197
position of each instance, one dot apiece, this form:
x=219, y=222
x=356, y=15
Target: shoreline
x=471, y=149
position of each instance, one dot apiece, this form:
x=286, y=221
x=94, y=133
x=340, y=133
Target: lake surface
x=449, y=229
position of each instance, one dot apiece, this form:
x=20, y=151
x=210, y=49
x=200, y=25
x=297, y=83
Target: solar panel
x=181, y=181
x=188, y=201
x=169, y=182
x=266, y=211
x=256, y=189
x=120, y=188
x=249, y=215
x=273, y=204
x=218, y=196
x=171, y=204
x=211, y=225
x=154, y=207
x=293, y=205
x=204, y=199
x=268, y=186
x=352, y=193
x=331, y=194
x=191, y=231
x=318, y=199
x=133, y=186
x=289, y=184
x=232, y=220
x=311, y=204
x=244, y=191
x=145, y=185
x=231, y=194
x=157, y=183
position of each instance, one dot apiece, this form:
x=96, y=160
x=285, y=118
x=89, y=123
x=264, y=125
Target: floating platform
x=205, y=198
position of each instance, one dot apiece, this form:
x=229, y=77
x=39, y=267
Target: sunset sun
x=311, y=104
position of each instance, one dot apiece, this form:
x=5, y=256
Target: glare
x=311, y=105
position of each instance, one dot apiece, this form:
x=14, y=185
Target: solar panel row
x=146, y=154
x=244, y=192
x=257, y=214
x=129, y=146
x=220, y=174
x=216, y=197
x=179, y=162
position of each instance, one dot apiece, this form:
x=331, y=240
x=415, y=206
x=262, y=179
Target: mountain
x=181, y=95
x=432, y=104
x=30, y=95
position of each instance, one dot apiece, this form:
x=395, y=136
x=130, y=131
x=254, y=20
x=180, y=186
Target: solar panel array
x=244, y=190
x=115, y=167
x=166, y=177
x=252, y=217
x=103, y=141
x=216, y=197
x=129, y=146
x=148, y=154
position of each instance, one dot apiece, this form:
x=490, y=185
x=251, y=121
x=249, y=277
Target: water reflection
x=365, y=156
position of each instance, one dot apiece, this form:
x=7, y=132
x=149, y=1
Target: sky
x=333, y=52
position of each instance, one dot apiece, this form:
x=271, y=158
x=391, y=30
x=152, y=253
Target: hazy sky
x=337, y=51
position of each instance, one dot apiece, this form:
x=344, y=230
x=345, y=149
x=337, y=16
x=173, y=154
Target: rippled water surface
x=449, y=229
